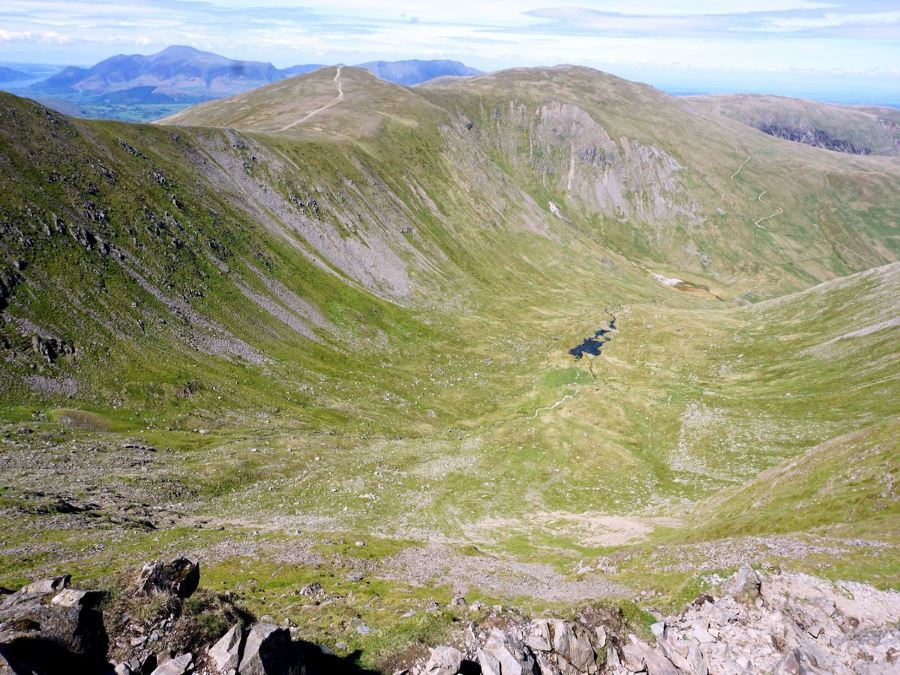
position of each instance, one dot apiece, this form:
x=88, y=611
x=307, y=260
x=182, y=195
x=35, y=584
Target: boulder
x=639, y=656
x=71, y=597
x=571, y=642
x=179, y=577
x=789, y=665
x=696, y=659
x=312, y=590
x=744, y=585
x=679, y=659
x=268, y=651
x=538, y=637
x=700, y=631
x=225, y=655
x=177, y=666
x=45, y=586
x=501, y=657
x=633, y=653
x=47, y=627
x=601, y=636
x=489, y=663
x=444, y=661
x=141, y=665
x=657, y=664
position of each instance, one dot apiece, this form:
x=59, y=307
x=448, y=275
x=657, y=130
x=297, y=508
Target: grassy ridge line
x=213, y=223
x=853, y=129
x=499, y=121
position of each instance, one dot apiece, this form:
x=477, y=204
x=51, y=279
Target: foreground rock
x=49, y=627
x=509, y=644
x=179, y=577
x=225, y=655
x=444, y=661
x=268, y=650
x=785, y=623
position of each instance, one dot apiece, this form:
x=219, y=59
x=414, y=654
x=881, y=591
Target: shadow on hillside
x=319, y=662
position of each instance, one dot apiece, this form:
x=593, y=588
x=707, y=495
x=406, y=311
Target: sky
x=799, y=47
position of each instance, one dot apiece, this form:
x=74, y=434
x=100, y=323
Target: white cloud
x=44, y=38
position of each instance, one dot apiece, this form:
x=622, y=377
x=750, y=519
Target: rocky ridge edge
x=782, y=623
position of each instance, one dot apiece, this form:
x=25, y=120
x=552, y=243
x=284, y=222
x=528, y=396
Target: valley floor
x=701, y=438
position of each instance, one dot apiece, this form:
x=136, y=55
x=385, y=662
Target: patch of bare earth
x=441, y=565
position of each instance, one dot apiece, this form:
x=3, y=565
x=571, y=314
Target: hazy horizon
x=838, y=51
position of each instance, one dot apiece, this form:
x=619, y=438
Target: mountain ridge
x=417, y=71
x=319, y=336
x=860, y=130
x=11, y=74
x=177, y=73
x=180, y=75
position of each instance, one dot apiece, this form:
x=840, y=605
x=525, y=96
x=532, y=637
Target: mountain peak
x=173, y=50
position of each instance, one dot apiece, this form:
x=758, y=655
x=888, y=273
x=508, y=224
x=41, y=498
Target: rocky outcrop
x=514, y=645
x=744, y=585
x=268, y=650
x=48, y=627
x=785, y=623
x=180, y=665
x=444, y=661
x=225, y=655
x=781, y=623
x=179, y=577
x=808, y=135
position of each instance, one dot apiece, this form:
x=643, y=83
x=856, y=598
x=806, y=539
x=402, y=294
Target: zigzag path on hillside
x=778, y=211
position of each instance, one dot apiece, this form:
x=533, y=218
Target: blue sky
x=784, y=46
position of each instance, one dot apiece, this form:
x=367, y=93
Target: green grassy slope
x=624, y=164
x=859, y=130
x=358, y=329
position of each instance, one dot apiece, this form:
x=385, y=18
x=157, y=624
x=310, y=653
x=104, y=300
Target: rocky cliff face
x=820, y=138
x=571, y=154
x=853, y=130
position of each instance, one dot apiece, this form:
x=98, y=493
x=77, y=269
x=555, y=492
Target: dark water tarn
x=594, y=343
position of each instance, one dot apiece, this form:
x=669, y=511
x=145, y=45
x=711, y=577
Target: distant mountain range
x=184, y=75
x=11, y=75
x=414, y=72
x=174, y=75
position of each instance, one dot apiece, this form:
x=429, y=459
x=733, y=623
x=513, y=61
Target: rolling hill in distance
x=138, y=87
x=416, y=71
x=12, y=75
x=857, y=130
x=322, y=332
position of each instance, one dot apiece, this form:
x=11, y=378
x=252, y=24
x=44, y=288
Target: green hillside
x=854, y=129
x=324, y=327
